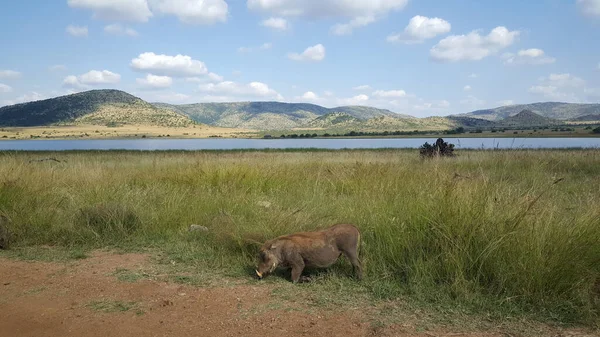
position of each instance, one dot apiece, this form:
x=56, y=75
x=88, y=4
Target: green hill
x=528, y=118
x=98, y=107
x=270, y=115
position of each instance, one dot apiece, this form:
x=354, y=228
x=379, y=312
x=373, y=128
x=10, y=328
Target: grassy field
x=497, y=233
x=124, y=131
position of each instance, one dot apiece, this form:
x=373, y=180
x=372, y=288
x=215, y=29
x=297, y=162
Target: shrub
x=440, y=148
x=596, y=130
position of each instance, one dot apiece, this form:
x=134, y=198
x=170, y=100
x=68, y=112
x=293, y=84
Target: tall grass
x=490, y=230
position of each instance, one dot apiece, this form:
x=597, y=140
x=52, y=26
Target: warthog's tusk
x=259, y=274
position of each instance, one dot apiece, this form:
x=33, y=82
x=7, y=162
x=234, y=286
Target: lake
x=231, y=144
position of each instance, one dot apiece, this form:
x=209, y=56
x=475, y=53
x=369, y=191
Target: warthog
x=318, y=249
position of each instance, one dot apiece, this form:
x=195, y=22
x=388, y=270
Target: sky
x=417, y=57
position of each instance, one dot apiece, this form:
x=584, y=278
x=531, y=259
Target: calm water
x=228, y=144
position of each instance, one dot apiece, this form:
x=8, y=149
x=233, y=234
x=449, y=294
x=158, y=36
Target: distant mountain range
x=554, y=110
x=274, y=115
x=114, y=107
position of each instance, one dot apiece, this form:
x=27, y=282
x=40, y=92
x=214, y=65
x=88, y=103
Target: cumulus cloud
x=9, y=74
x=57, y=67
x=253, y=90
x=473, y=46
x=276, y=24
x=93, y=77
x=472, y=102
x=348, y=28
x=115, y=10
x=361, y=12
x=389, y=93
x=326, y=8
x=5, y=88
x=313, y=54
x=559, y=87
x=421, y=28
x=29, y=97
x=467, y=88
x=362, y=87
x=77, y=31
x=506, y=102
x=165, y=65
x=531, y=56
x=118, y=29
x=201, y=12
x=309, y=96
x=589, y=7
x=473, y=75
x=155, y=82
x=356, y=100
x=264, y=46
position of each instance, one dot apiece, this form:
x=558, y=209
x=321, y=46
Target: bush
x=440, y=148
x=596, y=130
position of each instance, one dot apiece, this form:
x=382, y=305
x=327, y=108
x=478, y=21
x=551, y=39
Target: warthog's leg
x=297, y=264
x=352, y=255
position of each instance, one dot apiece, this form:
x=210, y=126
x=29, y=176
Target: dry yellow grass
x=126, y=131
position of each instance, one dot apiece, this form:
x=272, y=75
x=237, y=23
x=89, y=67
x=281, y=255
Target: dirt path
x=84, y=298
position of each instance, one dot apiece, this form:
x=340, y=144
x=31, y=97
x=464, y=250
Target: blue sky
x=419, y=57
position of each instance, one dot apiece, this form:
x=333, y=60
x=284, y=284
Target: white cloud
x=115, y=10
x=251, y=90
x=472, y=102
x=32, y=96
x=356, y=100
x=93, y=77
x=362, y=87
x=467, y=88
x=57, y=67
x=9, y=74
x=309, y=96
x=155, y=82
x=5, y=88
x=361, y=12
x=440, y=105
x=506, y=102
x=315, y=54
x=348, y=28
x=165, y=97
x=326, y=8
x=118, y=29
x=473, y=46
x=421, y=28
x=201, y=12
x=531, y=56
x=592, y=92
x=264, y=46
x=564, y=80
x=165, y=65
x=276, y=23
x=473, y=75
x=589, y=7
x=77, y=31
x=390, y=93
x=559, y=87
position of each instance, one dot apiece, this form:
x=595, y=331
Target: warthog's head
x=267, y=261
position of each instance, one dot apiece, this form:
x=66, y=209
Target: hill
x=554, y=110
x=587, y=118
x=272, y=115
x=528, y=118
x=96, y=107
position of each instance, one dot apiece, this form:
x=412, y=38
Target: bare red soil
x=56, y=299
